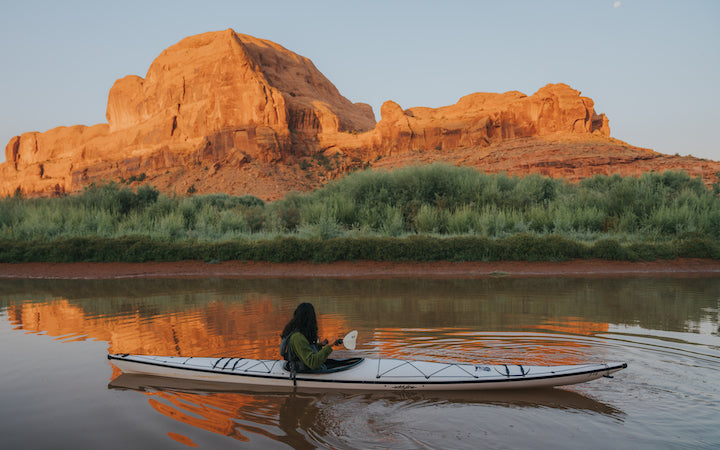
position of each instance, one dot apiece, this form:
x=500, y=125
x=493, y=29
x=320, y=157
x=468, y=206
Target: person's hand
x=323, y=343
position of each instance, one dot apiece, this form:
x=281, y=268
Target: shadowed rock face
x=226, y=112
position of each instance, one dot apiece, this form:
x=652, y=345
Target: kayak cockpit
x=338, y=365
x=333, y=365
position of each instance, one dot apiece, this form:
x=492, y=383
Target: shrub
x=393, y=224
x=255, y=218
x=611, y=249
x=428, y=220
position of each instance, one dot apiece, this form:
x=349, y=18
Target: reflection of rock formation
x=248, y=325
x=226, y=112
x=214, y=330
x=251, y=330
x=492, y=304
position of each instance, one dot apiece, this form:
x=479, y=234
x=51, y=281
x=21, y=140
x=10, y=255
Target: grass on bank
x=422, y=213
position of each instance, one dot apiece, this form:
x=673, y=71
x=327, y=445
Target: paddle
x=349, y=340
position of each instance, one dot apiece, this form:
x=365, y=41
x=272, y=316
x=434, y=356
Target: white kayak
x=365, y=373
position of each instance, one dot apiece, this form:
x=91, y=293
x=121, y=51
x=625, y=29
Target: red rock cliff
x=226, y=112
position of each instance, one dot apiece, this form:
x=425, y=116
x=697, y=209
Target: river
x=58, y=389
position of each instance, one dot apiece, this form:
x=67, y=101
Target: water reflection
x=244, y=317
x=308, y=419
x=673, y=304
x=666, y=328
x=217, y=328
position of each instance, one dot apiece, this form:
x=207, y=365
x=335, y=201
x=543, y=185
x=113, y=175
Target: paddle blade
x=349, y=340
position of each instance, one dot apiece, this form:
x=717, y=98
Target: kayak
x=365, y=373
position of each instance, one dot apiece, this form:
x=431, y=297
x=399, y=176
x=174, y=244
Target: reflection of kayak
x=546, y=398
x=365, y=373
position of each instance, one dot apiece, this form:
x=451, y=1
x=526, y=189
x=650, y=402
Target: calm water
x=59, y=391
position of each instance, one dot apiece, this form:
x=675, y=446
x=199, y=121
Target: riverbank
x=682, y=267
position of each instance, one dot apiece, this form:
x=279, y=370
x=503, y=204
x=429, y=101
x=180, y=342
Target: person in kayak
x=299, y=341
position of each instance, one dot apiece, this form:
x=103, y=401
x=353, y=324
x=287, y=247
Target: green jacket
x=307, y=354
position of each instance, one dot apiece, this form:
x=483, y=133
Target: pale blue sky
x=651, y=65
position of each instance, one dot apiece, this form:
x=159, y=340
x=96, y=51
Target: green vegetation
x=422, y=213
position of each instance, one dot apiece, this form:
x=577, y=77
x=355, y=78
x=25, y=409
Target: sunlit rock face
x=216, y=98
x=227, y=112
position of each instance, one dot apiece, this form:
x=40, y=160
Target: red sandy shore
x=363, y=269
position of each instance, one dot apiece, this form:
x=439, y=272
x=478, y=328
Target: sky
x=650, y=65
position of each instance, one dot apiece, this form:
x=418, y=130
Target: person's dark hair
x=304, y=321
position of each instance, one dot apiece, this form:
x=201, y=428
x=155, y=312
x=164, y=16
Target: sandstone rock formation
x=226, y=112
x=479, y=120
